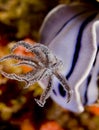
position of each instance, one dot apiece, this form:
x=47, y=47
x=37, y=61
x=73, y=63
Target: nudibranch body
x=71, y=33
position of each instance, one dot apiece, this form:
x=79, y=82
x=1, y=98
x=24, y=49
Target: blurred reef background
x=21, y=20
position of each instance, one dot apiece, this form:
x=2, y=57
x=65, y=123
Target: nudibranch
x=71, y=33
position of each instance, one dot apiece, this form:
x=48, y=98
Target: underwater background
x=21, y=20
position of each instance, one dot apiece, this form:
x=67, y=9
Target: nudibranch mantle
x=71, y=33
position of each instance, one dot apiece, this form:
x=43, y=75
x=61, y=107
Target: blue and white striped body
x=71, y=33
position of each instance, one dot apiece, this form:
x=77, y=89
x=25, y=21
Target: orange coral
x=51, y=125
x=93, y=109
x=27, y=125
x=22, y=51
